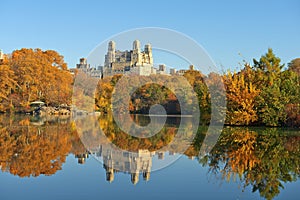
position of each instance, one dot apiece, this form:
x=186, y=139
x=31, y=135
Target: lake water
x=58, y=158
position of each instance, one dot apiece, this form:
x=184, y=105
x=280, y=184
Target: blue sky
x=223, y=28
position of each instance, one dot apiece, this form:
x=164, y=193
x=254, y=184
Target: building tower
x=82, y=61
x=110, y=175
x=111, y=46
x=136, y=45
x=172, y=71
x=111, y=54
x=162, y=68
x=148, y=51
x=136, y=55
x=83, y=64
x=134, y=178
x=146, y=176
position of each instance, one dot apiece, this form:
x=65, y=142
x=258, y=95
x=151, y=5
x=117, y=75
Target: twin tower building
x=135, y=61
x=130, y=62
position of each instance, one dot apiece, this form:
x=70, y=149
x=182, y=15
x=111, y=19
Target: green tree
x=267, y=69
x=197, y=81
x=271, y=101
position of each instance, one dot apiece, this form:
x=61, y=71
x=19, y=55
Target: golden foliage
x=32, y=74
x=241, y=99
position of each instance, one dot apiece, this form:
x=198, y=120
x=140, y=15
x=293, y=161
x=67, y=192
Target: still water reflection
x=45, y=158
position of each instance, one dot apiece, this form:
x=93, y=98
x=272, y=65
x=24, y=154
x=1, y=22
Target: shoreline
x=63, y=112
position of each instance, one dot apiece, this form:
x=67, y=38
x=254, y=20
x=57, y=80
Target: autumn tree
x=292, y=85
x=241, y=97
x=27, y=150
x=130, y=143
x=103, y=95
x=294, y=66
x=154, y=91
x=217, y=97
x=197, y=81
x=7, y=86
x=40, y=75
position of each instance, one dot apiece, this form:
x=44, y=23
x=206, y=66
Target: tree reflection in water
x=261, y=158
x=31, y=147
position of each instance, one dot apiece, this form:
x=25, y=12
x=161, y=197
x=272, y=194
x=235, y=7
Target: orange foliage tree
x=7, y=86
x=32, y=74
x=33, y=150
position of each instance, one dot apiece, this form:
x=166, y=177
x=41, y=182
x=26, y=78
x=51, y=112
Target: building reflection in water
x=135, y=163
x=121, y=152
x=114, y=161
x=82, y=157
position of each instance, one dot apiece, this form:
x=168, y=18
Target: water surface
x=44, y=158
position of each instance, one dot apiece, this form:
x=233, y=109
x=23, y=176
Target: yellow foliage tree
x=240, y=100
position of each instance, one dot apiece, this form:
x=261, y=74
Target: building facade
x=86, y=68
x=135, y=61
x=129, y=62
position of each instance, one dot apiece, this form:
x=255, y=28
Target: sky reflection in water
x=246, y=163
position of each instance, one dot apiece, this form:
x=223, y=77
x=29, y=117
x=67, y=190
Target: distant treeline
x=261, y=93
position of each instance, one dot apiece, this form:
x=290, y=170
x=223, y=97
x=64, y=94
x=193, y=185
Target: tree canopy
x=33, y=74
